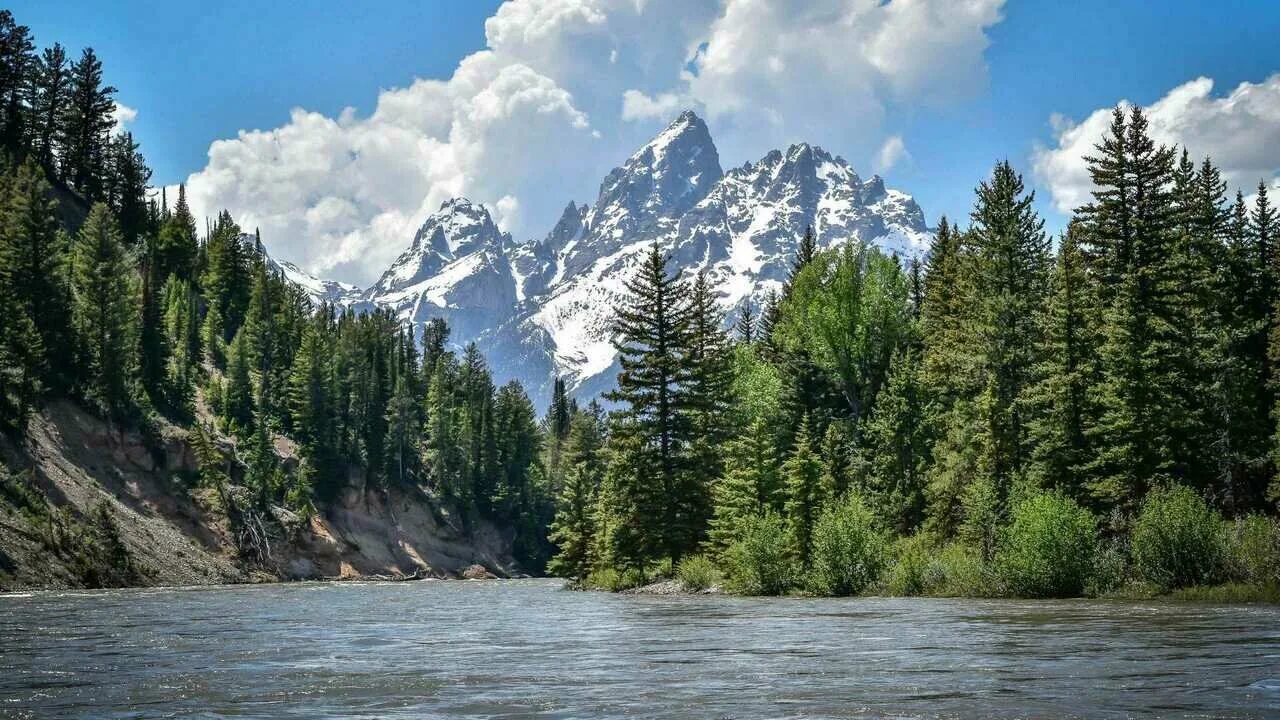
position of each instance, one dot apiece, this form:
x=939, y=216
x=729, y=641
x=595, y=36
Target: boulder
x=478, y=572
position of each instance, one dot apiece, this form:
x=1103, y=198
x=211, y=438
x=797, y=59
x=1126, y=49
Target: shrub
x=1110, y=570
x=1178, y=539
x=758, y=563
x=958, y=570
x=908, y=574
x=614, y=581
x=697, y=573
x=1253, y=549
x=848, y=551
x=1048, y=548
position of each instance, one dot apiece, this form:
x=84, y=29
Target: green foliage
x=1177, y=539
x=1253, y=549
x=908, y=572
x=807, y=493
x=759, y=561
x=1048, y=550
x=697, y=572
x=849, y=550
x=105, y=313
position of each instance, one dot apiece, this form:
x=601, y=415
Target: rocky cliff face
x=75, y=466
x=543, y=307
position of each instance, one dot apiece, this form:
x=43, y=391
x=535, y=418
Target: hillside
x=175, y=532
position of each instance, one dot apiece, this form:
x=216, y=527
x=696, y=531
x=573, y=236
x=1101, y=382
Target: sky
x=337, y=127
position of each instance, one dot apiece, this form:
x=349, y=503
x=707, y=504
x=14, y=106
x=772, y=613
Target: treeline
x=1002, y=384
x=138, y=316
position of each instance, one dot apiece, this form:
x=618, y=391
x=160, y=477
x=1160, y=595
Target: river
x=526, y=648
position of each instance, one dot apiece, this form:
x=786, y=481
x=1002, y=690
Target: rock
x=478, y=572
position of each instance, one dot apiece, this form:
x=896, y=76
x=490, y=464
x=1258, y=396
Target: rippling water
x=528, y=648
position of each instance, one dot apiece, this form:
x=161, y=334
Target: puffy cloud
x=122, y=115
x=565, y=90
x=1240, y=131
x=893, y=151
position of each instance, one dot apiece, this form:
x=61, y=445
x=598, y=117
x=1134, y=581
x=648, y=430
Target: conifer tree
x=402, y=429
x=707, y=387
x=50, y=101
x=105, y=313
x=807, y=493
x=652, y=336
x=1010, y=261
x=1128, y=247
x=751, y=484
x=898, y=446
x=176, y=245
x=34, y=267
x=17, y=63
x=574, y=528
x=311, y=406
x=183, y=340
x=237, y=404
x=1065, y=371
x=86, y=131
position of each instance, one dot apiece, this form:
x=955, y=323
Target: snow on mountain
x=544, y=307
x=320, y=291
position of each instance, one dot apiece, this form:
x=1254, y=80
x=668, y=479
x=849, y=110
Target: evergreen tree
x=751, y=485
x=807, y=493
x=86, y=131
x=652, y=336
x=183, y=340
x=33, y=268
x=237, y=403
x=176, y=245
x=1011, y=260
x=708, y=390
x=744, y=328
x=105, y=313
x=1128, y=248
x=574, y=528
x=311, y=407
x=17, y=65
x=1064, y=374
x=898, y=446
x=50, y=102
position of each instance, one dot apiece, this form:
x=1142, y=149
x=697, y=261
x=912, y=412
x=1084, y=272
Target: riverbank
x=83, y=504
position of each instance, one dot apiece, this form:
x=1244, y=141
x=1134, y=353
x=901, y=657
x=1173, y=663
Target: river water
x=526, y=648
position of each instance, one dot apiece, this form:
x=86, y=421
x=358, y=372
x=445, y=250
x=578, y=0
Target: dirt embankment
x=88, y=484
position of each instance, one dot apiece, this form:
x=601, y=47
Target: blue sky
x=977, y=87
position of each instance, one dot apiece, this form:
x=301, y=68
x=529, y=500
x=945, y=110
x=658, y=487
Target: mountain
x=320, y=291
x=544, y=307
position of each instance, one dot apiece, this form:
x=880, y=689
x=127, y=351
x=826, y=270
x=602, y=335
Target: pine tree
x=311, y=407
x=807, y=493
x=126, y=188
x=402, y=429
x=1128, y=247
x=183, y=340
x=652, y=336
x=574, y=528
x=708, y=387
x=105, y=313
x=17, y=65
x=751, y=484
x=898, y=446
x=1065, y=372
x=176, y=245
x=1011, y=260
x=34, y=268
x=237, y=403
x=51, y=100
x=86, y=131
x=744, y=328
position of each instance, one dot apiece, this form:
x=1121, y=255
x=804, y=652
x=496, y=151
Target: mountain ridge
x=543, y=307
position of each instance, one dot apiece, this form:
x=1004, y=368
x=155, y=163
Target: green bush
x=1178, y=539
x=908, y=574
x=848, y=552
x=1110, y=570
x=958, y=570
x=697, y=573
x=1048, y=549
x=1253, y=549
x=758, y=562
x=612, y=580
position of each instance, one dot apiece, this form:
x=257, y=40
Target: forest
x=1013, y=414
x=1016, y=415
x=110, y=295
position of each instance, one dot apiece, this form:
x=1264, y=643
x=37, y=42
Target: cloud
x=1240, y=131
x=122, y=115
x=564, y=90
x=891, y=153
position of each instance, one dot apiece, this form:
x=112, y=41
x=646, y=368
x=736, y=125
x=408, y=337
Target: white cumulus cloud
x=565, y=89
x=892, y=152
x=1240, y=131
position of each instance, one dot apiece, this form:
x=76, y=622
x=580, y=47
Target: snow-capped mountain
x=320, y=291
x=544, y=307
